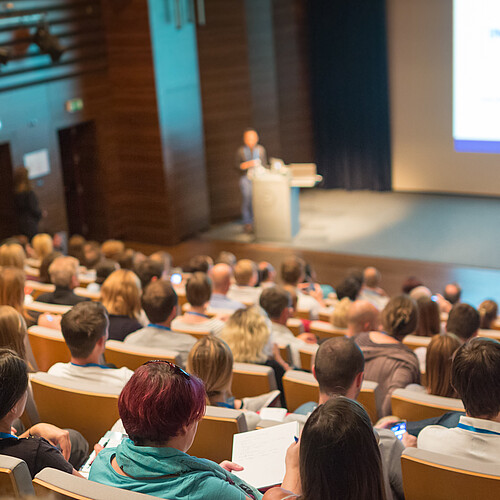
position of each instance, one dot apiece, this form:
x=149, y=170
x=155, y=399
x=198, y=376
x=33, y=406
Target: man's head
x=250, y=138
x=159, y=302
x=200, y=263
x=221, y=278
x=362, y=316
x=276, y=301
x=338, y=368
x=475, y=376
x=63, y=272
x=350, y=288
x=463, y=321
x=245, y=273
x=292, y=270
x=226, y=258
x=85, y=329
x=372, y=277
x=267, y=273
x=149, y=270
x=452, y=293
x=198, y=289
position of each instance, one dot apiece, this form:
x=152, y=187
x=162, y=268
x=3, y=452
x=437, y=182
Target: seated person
x=85, y=331
x=225, y=257
x=92, y=254
x=337, y=457
x=244, y=289
x=44, y=276
x=293, y=273
x=36, y=446
x=362, y=316
x=154, y=459
x=200, y=264
x=198, y=292
x=340, y=312
x=388, y=361
x=488, y=312
x=452, y=293
x=267, y=274
x=103, y=269
x=277, y=303
x=371, y=290
x=42, y=245
x=159, y=302
x=121, y=296
x=113, y=249
x=149, y=270
x=463, y=321
x=63, y=274
x=211, y=360
x=475, y=376
x=221, y=275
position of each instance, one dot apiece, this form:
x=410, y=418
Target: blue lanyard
x=93, y=364
x=153, y=325
x=475, y=429
x=198, y=314
x=5, y=435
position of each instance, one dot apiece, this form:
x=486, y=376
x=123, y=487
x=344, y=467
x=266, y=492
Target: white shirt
x=309, y=303
x=163, y=338
x=474, y=438
x=283, y=336
x=115, y=378
x=244, y=294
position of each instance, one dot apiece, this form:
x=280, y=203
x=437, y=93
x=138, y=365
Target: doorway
x=8, y=218
x=80, y=168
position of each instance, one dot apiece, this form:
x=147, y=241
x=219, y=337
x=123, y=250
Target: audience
x=198, y=292
x=165, y=260
x=63, y=274
x=362, y=316
x=112, y=249
x=200, y=264
x=429, y=320
x=221, y=275
x=226, y=258
x=388, y=361
x=159, y=302
x=12, y=283
x=475, y=376
x=277, y=303
x=349, y=287
x=85, y=331
x=463, y=321
x=452, y=293
x=267, y=274
x=44, y=276
x=92, y=254
x=75, y=247
x=121, y=296
x=154, y=459
x=102, y=270
x=337, y=457
x=371, y=289
x=126, y=259
x=12, y=255
x=488, y=312
x=42, y=245
x=244, y=289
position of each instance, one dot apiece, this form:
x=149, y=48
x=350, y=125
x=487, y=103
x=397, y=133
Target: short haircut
x=226, y=258
x=126, y=259
x=453, y=295
x=62, y=270
x=488, y=312
x=409, y=284
x=399, y=317
x=82, y=326
x=292, y=270
x=274, y=300
x=158, y=301
x=475, y=376
x=463, y=321
x=45, y=264
x=158, y=401
x=14, y=377
x=103, y=269
x=338, y=361
x=75, y=246
x=243, y=271
x=112, y=249
x=350, y=287
x=198, y=289
x=372, y=277
x=147, y=270
x=200, y=263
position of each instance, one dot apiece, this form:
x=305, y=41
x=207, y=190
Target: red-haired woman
x=160, y=408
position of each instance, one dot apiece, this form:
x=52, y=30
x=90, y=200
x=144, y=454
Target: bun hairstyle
x=399, y=317
x=13, y=380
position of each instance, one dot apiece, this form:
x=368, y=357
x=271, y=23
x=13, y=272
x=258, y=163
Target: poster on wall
x=37, y=163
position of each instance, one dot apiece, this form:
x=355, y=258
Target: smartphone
x=434, y=298
x=176, y=279
x=399, y=428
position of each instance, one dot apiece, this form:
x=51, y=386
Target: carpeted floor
x=437, y=228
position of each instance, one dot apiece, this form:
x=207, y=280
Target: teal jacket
x=168, y=473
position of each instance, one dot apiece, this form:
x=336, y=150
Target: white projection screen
x=420, y=44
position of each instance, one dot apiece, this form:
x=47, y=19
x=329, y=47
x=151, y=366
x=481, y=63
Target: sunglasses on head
x=176, y=369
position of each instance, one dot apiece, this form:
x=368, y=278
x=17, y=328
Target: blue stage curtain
x=350, y=93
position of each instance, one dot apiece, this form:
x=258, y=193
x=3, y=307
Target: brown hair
x=12, y=331
x=121, y=293
x=399, y=317
x=12, y=254
x=438, y=364
x=12, y=288
x=429, y=320
x=292, y=270
x=488, y=311
x=112, y=249
x=198, y=289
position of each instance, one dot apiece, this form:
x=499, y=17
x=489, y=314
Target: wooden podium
x=276, y=201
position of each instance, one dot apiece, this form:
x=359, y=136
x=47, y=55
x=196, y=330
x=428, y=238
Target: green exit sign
x=74, y=105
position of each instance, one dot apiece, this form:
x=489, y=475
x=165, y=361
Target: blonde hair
x=243, y=271
x=246, y=333
x=211, y=360
x=12, y=282
x=112, y=249
x=121, y=293
x=62, y=270
x=12, y=254
x=339, y=316
x=12, y=331
x=438, y=363
x=42, y=245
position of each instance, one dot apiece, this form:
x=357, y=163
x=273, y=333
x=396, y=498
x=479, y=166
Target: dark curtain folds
x=350, y=93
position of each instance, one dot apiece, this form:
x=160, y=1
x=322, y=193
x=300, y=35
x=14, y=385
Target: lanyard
x=5, y=435
x=153, y=325
x=93, y=364
x=475, y=429
x=193, y=313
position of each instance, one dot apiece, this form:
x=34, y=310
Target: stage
x=451, y=229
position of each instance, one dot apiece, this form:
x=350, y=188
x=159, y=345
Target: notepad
x=262, y=454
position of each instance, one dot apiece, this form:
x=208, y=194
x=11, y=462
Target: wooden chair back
x=38, y=288
x=416, y=341
x=15, y=477
x=90, y=412
x=307, y=358
x=132, y=357
x=295, y=325
x=252, y=380
x=432, y=476
x=325, y=330
x=199, y=334
x=411, y=405
x=48, y=347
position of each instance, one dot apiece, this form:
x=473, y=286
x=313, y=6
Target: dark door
x=80, y=167
x=8, y=222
